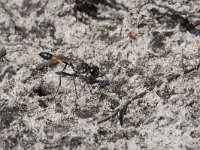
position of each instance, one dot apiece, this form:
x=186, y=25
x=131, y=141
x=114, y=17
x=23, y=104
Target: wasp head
x=94, y=71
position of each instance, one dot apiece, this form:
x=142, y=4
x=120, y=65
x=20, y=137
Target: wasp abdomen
x=46, y=55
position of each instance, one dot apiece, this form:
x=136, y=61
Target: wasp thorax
x=83, y=68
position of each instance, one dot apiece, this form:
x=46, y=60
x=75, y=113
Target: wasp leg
x=64, y=74
x=75, y=87
x=75, y=72
x=61, y=74
x=60, y=80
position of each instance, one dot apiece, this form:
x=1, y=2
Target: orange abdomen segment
x=55, y=59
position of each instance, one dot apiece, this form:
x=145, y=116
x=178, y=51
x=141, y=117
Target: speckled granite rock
x=146, y=97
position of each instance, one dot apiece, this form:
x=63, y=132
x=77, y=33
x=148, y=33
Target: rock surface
x=146, y=97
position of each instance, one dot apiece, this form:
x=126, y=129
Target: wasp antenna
x=46, y=55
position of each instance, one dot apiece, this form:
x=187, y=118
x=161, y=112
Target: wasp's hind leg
x=75, y=75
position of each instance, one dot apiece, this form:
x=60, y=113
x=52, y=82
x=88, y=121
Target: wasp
x=81, y=66
x=78, y=66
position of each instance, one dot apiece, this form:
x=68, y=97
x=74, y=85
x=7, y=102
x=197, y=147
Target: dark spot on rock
x=102, y=131
x=172, y=77
x=23, y=107
x=195, y=134
x=88, y=112
x=134, y=71
x=150, y=83
x=122, y=135
x=90, y=7
x=168, y=33
x=28, y=142
x=39, y=90
x=114, y=103
x=75, y=142
x=124, y=63
x=22, y=31
x=11, y=142
x=44, y=29
x=7, y=115
x=107, y=64
x=58, y=41
x=161, y=118
x=141, y=25
x=117, y=87
x=10, y=70
x=157, y=42
x=59, y=108
x=42, y=104
x=29, y=7
x=2, y=53
x=165, y=93
x=41, y=11
x=112, y=39
x=103, y=83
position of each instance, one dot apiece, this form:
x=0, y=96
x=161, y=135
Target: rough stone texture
x=148, y=93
